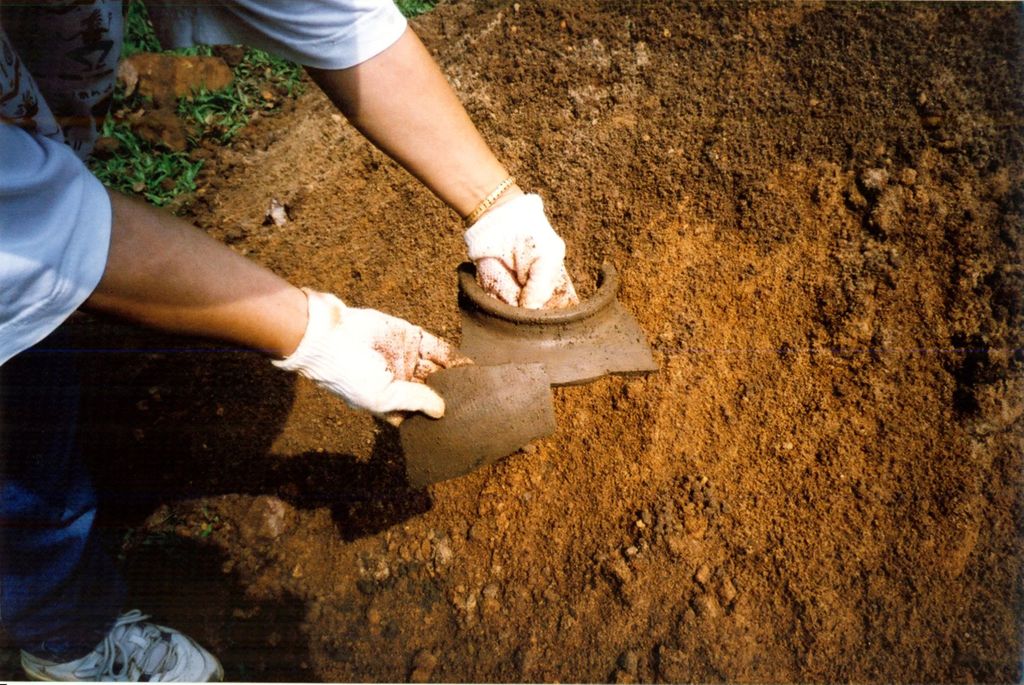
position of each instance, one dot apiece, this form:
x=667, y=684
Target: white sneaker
x=133, y=650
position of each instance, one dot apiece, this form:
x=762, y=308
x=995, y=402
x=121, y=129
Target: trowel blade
x=490, y=412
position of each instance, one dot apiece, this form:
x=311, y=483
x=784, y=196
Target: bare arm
x=401, y=101
x=167, y=274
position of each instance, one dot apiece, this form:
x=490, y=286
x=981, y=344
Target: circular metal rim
x=607, y=289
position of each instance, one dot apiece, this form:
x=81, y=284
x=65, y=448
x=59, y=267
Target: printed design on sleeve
x=73, y=61
x=20, y=101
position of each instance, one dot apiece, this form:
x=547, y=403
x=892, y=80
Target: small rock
x=874, y=180
x=373, y=616
x=442, y=553
x=703, y=574
x=491, y=591
x=166, y=77
x=277, y=213
x=727, y=592
x=706, y=606
x=887, y=216
x=268, y=517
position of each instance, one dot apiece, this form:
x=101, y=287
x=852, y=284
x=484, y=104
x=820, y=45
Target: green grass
x=262, y=82
x=139, y=168
x=412, y=8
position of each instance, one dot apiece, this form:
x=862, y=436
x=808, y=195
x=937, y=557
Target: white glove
x=373, y=361
x=519, y=258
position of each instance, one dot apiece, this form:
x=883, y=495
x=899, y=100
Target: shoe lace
x=133, y=649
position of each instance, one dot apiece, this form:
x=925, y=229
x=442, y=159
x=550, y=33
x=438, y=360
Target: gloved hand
x=375, y=362
x=519, y=258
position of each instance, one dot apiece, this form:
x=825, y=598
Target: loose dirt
x=816, y=213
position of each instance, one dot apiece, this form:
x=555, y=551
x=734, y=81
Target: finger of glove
x=497, y=280
x=545, y=277
x=437, y=351
x=408, y=396
x=564, y=295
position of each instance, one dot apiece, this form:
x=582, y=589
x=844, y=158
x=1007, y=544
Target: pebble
x=268, y=517
x=379, y=570
x=442, y=553
x=874, y=179
x=703, y=574
x=706, y=606
x=491, y=591
x=727, y=592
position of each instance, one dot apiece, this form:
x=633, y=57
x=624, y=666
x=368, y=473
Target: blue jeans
x=60, y=592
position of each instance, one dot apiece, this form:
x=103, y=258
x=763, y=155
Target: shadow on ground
x=154, y=432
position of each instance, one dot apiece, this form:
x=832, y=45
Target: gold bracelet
x=488, y=201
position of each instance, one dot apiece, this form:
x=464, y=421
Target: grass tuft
x=262, y=83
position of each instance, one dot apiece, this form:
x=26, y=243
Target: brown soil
x=816, y=211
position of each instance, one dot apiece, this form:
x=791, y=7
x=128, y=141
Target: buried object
x=576, y=344
x=491, y=411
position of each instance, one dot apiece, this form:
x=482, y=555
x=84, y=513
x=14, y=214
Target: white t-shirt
x=57, y=69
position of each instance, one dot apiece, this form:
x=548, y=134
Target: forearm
x=401, y=101
x=164, y=273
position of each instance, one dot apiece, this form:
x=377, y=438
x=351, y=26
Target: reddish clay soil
x=816, y=211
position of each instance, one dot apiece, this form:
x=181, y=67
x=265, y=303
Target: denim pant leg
x=59, y=590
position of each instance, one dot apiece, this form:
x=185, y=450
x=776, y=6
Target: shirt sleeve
x=324, y=34
x=55, y=221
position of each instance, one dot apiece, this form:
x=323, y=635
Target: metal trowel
x=490, y=412
x=576, y=345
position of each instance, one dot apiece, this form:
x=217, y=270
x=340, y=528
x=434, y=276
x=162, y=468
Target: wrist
x=322, y=313
x=513, y=192
x=498, y=194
